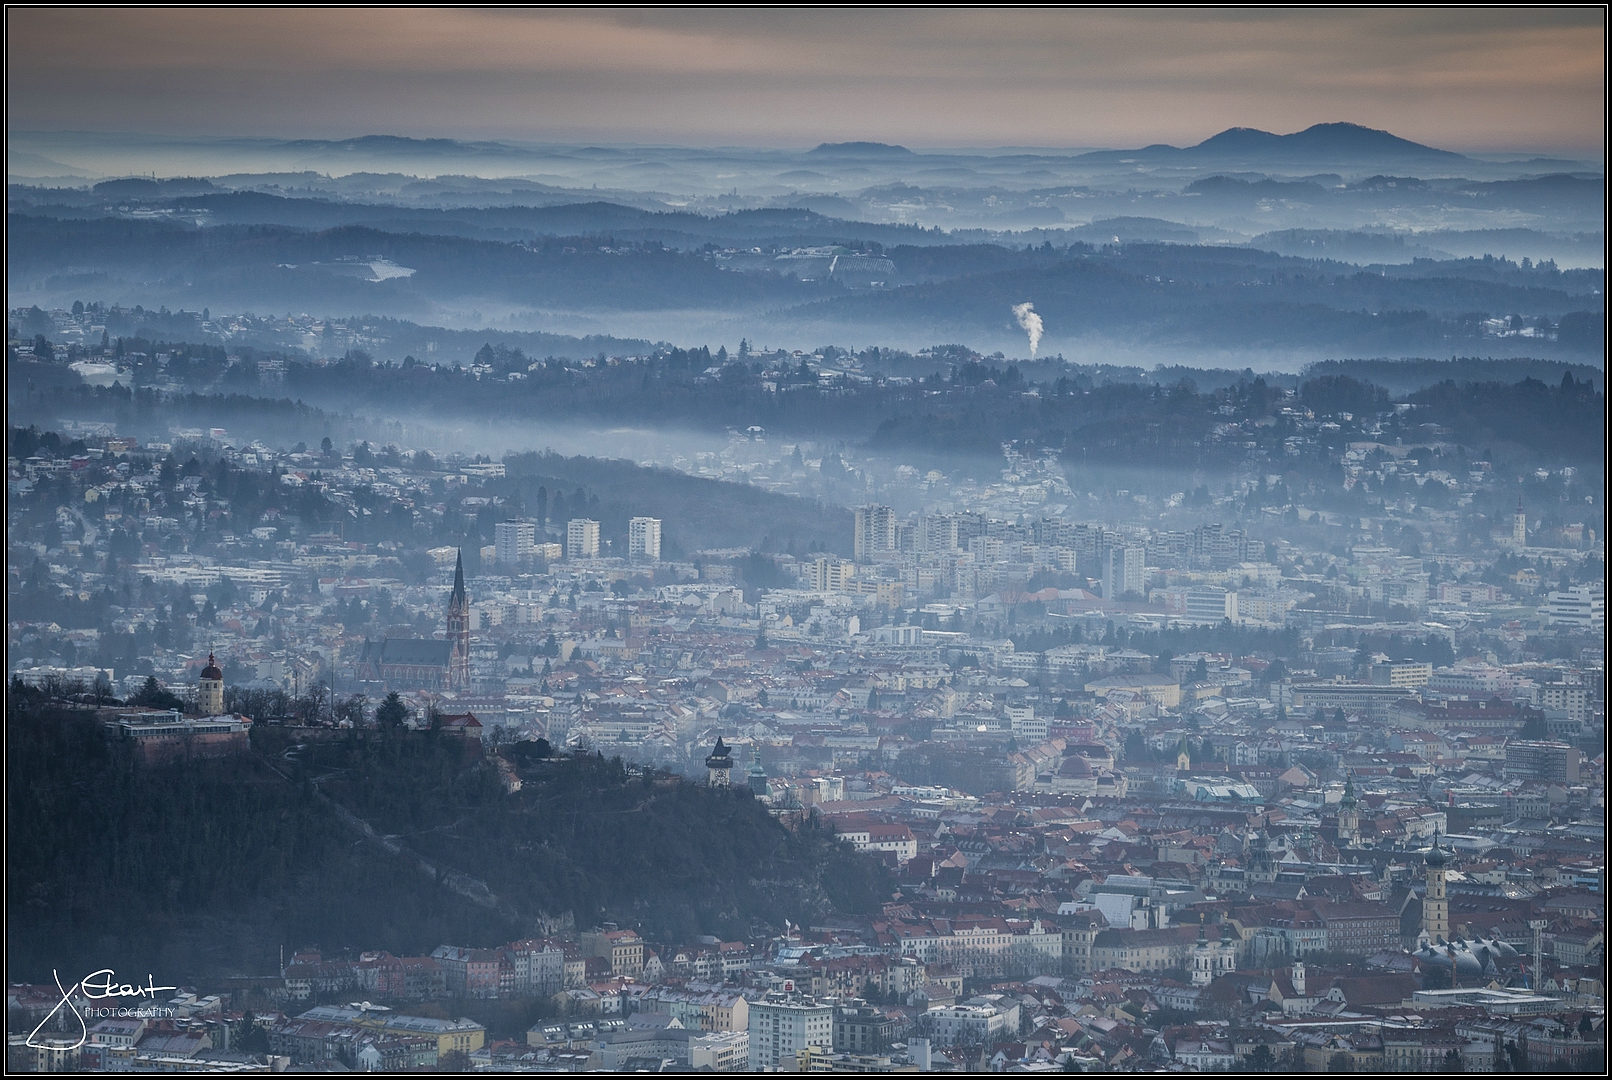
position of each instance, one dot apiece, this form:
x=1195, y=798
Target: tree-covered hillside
x=698, y=512
x=210, y=866
x=1159, y=295
x=673, y=858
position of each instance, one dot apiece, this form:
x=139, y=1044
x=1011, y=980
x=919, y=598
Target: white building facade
x=782, y=1025
x=643, y=539
x=582, y=538
x=514, y=542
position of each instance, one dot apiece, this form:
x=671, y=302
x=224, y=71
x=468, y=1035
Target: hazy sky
x=1464, y=79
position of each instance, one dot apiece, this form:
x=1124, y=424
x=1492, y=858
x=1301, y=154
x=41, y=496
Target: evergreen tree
x=1135, y=748
x=153, y=696
x=392, y=711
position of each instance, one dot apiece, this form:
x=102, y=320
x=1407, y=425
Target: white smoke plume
x=1031, y=324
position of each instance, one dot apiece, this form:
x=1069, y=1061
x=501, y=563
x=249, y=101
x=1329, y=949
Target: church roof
x=415, y=652
x=211, y=671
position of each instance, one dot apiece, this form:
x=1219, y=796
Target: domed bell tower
x=1203, y=957
x=1228, y=948
x=1435, y=904
x=1348, y=815
x=210, y=689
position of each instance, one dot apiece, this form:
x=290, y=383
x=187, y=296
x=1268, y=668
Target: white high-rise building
x=875, y=531
x=830, y=575
x=782, y=1025
x=1123, y=572
x=513, y=542
x=940, y=533
x=582, y=538
x=643, y=538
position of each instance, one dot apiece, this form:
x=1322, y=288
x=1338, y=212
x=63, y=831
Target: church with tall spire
x=459, y=630
x=425, y=663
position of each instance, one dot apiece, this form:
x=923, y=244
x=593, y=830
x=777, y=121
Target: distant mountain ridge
x=861, y=149
x=402, y=144
x=1317, y=143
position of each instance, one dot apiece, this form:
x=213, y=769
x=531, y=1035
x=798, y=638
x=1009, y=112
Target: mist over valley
x=912, y=540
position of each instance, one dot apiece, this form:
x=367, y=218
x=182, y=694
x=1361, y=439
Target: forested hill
x=699, y=512
x=208, y=867
x=1179, y=298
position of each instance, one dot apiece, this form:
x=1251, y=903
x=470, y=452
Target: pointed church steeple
x=458, y=596
x=459, y=630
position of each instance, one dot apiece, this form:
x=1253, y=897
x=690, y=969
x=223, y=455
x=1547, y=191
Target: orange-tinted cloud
x=1465, y=79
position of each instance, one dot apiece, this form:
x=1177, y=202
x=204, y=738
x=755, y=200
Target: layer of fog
x=770, y=330
x=1004, y=191
x=984, y=196
x=747, y=168
x=1113, y=494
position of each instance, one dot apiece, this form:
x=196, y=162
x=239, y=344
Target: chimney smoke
x=1030, y=322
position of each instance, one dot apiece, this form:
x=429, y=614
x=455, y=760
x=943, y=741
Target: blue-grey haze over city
x=786, y=540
